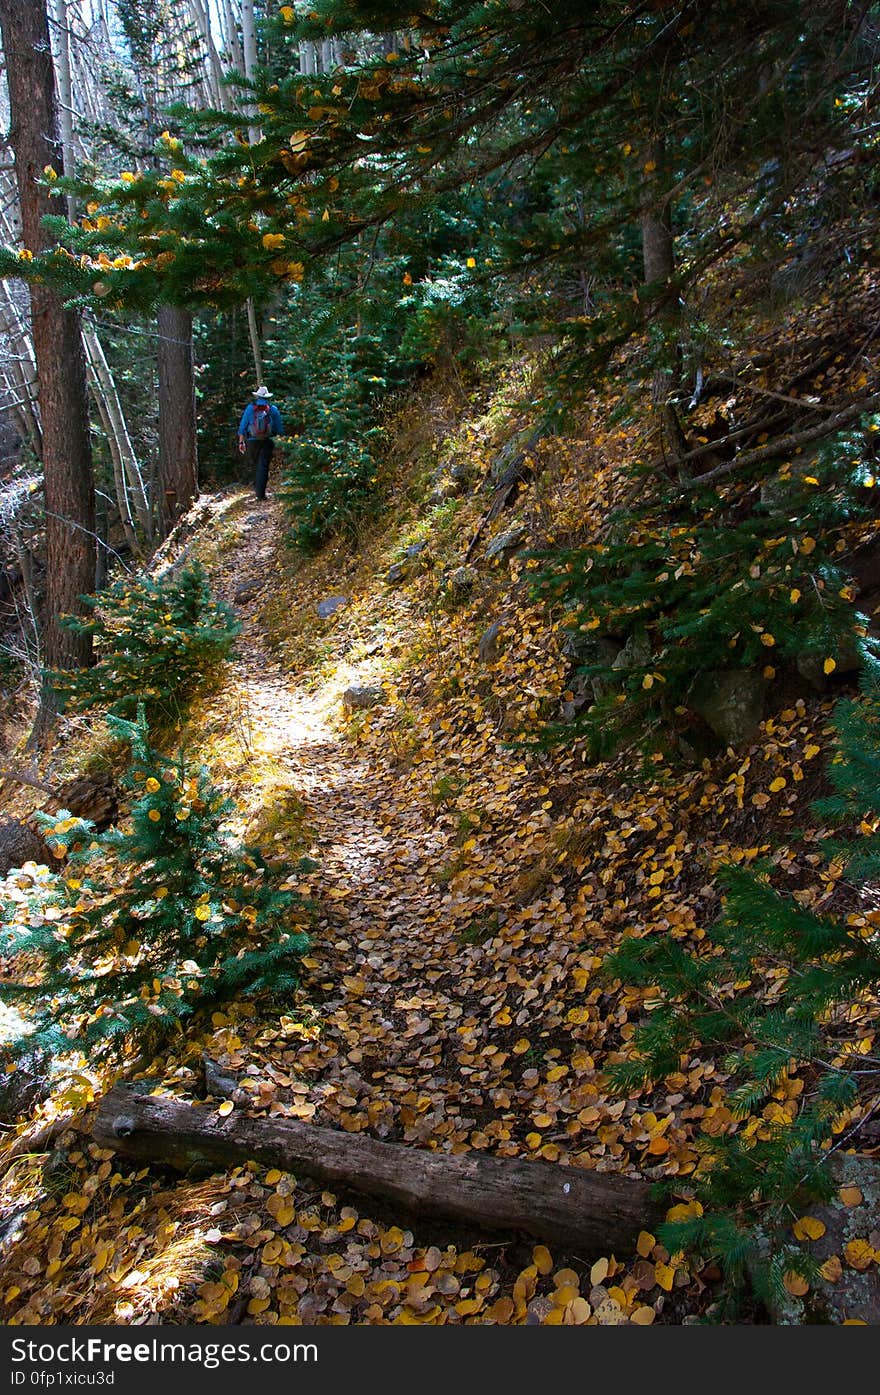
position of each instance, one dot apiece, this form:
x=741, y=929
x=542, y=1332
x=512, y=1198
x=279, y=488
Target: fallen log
x=588, y=1212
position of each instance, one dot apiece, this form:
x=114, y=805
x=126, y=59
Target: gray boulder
x=811, y=665
x=506, y=542
x=636, y=652
x=358, y=697
x=330, y=605
x=487, y=649
x=731, y=703
x=397, y=572
x=462, y=581
x=247, y=593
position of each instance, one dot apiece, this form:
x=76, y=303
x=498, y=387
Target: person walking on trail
x=260, y=424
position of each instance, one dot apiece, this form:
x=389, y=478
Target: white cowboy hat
x=262, y=391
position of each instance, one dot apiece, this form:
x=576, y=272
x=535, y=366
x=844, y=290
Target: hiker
x=260, y=424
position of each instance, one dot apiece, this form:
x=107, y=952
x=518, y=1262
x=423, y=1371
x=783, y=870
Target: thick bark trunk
x=588, y=1212
x=61, y=368
x=658, y=257
x=178, y=463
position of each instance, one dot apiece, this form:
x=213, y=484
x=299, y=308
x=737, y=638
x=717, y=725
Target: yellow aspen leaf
x=808, y=545
x=577, y=1312
x=202, y=912
x=225, y=1108
x=466, y=1306
x=599, y=1272
x=281, y=1208
x=778, y=784
x=471, y=262
x=152, y=785
x=153, y=815
x=578, y=1016
x=768, y=639
x=649, y=166
x=769, y=672
x=859, y=1253
x=272, y=1176
x=854, y=1322
x=533, y=1140
x=566, y=1294
x=760, y=800
x=811, y=751
x=832, y=1269
x=542, y=1259
x=664, y=1274
x=99, y=1263
x=794, y=595
x=643, y=1316
x=658, y=1146
x=567, y=1278
x=684, y=1210
x=829, y=666
x=521, y=1046
x=795, y=1284
x=808, y=1228
x=648, y=680
x=851, y=1195
x=645, y=1243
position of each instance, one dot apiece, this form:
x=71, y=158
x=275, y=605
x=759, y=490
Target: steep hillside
x=379, y=714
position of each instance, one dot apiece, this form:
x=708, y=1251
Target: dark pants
x=259, y=455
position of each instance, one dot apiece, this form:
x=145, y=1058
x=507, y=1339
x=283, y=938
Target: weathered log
x=587, y=1212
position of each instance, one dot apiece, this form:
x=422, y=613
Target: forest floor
x=466, y=889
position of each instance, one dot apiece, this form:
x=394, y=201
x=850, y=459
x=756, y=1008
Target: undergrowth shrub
x=774, y=994
x=709, y=582
x=157, y=641
x=149, y=922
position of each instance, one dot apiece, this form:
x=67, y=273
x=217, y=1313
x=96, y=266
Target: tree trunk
x=61, y=368
x=131, y=494
x=178, y=462
x=587, y=1212
x=658, y=256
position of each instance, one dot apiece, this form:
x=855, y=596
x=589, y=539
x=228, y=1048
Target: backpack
x=262, y=420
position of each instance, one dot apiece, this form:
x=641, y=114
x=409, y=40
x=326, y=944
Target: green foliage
x=151, y=922
x=157, y=641
x=708, y=585
x=771, y=997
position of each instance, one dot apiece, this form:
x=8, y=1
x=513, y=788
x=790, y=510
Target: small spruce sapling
x=770, y=996
x=151, y=921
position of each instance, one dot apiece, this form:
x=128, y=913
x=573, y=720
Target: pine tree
x=150, y=922
x=157, y=641
x=769, y=997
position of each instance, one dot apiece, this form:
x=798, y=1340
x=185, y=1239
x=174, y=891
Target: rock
x=856, y=1293
x=247, y=593
x=487, y=649
x=636, y=652
x=396, y=573
x=731, y=703
x=415, y=549
x=330, y=605
x=462, y=581
x=23, y=1088
x=506, y=542
x=359, y=697
x=811, y=665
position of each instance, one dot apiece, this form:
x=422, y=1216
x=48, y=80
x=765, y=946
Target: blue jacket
x=247, y=416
